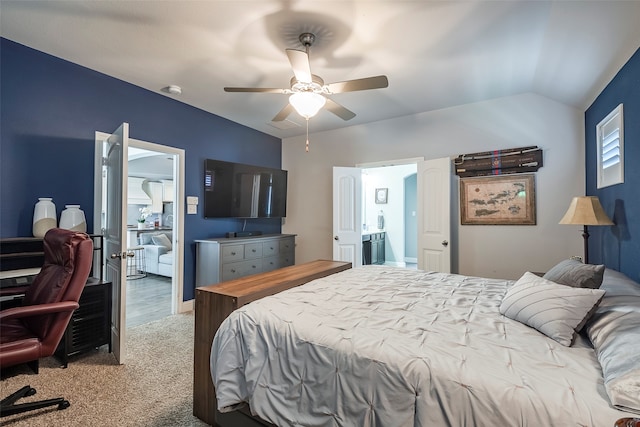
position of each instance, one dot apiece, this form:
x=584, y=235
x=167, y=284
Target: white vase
x=72, y=218
x=142, y=226
x=44, y=216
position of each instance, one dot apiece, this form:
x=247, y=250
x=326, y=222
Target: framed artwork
x=498, y=200
x=381, y=195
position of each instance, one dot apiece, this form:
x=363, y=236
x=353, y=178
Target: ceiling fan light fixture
x=307, y=104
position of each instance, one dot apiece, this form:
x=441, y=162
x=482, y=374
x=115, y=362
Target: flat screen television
x=236, y=190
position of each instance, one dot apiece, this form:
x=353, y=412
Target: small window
x=610, y=137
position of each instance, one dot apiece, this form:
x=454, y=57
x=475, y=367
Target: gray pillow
x=614, y=331
x=145, y=238
x=161, y=240
x=557, y=311
x=574, y=273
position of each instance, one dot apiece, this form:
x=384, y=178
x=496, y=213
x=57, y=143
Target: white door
x=434, y=218
x=347, y=215
x=114, y=226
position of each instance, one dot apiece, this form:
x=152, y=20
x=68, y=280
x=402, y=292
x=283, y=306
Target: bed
x=385, y=346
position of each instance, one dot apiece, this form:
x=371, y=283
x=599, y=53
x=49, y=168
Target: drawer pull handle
x=233, y=253
x=253, y=250
x=232, y=270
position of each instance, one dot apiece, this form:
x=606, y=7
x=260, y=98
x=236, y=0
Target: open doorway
x=354, y=234
x=389, y=214
x=111, y=193
x=150, y=235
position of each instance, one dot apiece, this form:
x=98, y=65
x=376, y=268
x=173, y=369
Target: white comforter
x=381, y=346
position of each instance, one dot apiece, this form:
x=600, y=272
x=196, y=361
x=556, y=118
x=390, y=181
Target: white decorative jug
x=44, y=216
x=72, y=218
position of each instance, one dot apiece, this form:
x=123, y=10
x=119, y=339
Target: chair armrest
x=152, y=252
x=35, y=310
x=13, y=290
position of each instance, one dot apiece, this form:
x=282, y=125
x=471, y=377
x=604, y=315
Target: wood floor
x=148, y=299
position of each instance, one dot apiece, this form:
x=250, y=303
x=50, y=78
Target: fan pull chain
x=307, y=145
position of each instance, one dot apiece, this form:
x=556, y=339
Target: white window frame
x=610, y=142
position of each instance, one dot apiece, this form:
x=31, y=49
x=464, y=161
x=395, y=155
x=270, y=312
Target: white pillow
x=614, y=331
x=558, y=311
x=161, y=240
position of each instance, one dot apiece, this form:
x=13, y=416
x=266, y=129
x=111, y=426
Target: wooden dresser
x=215, y=302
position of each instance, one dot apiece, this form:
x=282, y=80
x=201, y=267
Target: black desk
x=90, y=326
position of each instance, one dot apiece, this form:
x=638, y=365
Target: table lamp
x=586, y=211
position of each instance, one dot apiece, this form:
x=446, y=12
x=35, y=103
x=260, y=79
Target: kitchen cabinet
x=154, y=188
x=373, y=251
x=167, y=190
x=135, y=193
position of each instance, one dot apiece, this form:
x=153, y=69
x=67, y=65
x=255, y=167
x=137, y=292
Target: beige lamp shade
x=586, y=210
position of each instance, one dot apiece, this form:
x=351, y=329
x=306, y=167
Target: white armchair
x=158, y=252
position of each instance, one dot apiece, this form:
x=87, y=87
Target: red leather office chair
x=34, y=330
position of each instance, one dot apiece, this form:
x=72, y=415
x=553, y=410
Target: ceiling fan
x=308, y=92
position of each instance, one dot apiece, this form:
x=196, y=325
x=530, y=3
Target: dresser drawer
x=278, y=261
x=252, y=250
x=236, y=270
x=286, y=259
x=232, y=253
x=286, y=245
x=271, y=263
x=270, y=248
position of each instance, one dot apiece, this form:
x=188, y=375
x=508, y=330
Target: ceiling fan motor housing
x=316, y=85
x=307, y=39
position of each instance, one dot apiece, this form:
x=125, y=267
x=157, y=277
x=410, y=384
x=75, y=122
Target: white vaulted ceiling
x=436, y=54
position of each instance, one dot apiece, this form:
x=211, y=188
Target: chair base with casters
x=8, y=405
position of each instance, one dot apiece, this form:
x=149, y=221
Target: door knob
x=115, y=255
x=336, y=238
x=445, y=243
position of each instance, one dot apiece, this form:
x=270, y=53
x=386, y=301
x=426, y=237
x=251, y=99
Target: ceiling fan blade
x=256, y=89
x=300, y=64
x=339, y=110
x=283, y=114
x=377, y=82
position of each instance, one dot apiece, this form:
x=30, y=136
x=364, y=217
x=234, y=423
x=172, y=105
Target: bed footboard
x=215, y=302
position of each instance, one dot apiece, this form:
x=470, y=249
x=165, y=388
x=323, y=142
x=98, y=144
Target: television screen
x=236, y=190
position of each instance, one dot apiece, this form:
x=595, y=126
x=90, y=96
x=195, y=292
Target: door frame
x=177, y=282
x=400, y=261
x=451, y=207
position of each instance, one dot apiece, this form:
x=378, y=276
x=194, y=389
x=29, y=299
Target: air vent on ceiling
x=284, y=124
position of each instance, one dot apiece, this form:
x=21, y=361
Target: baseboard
x=395, y=263
x=186, y=306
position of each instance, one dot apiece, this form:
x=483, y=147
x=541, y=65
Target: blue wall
x=617, y=247
x=50, y=111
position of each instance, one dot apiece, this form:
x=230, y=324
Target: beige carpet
x=154, y=388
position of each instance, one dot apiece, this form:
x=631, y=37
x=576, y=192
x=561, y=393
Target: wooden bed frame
x=214, y=303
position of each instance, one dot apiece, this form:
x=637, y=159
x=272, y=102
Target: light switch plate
x=192, y=200
x=192, y=209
